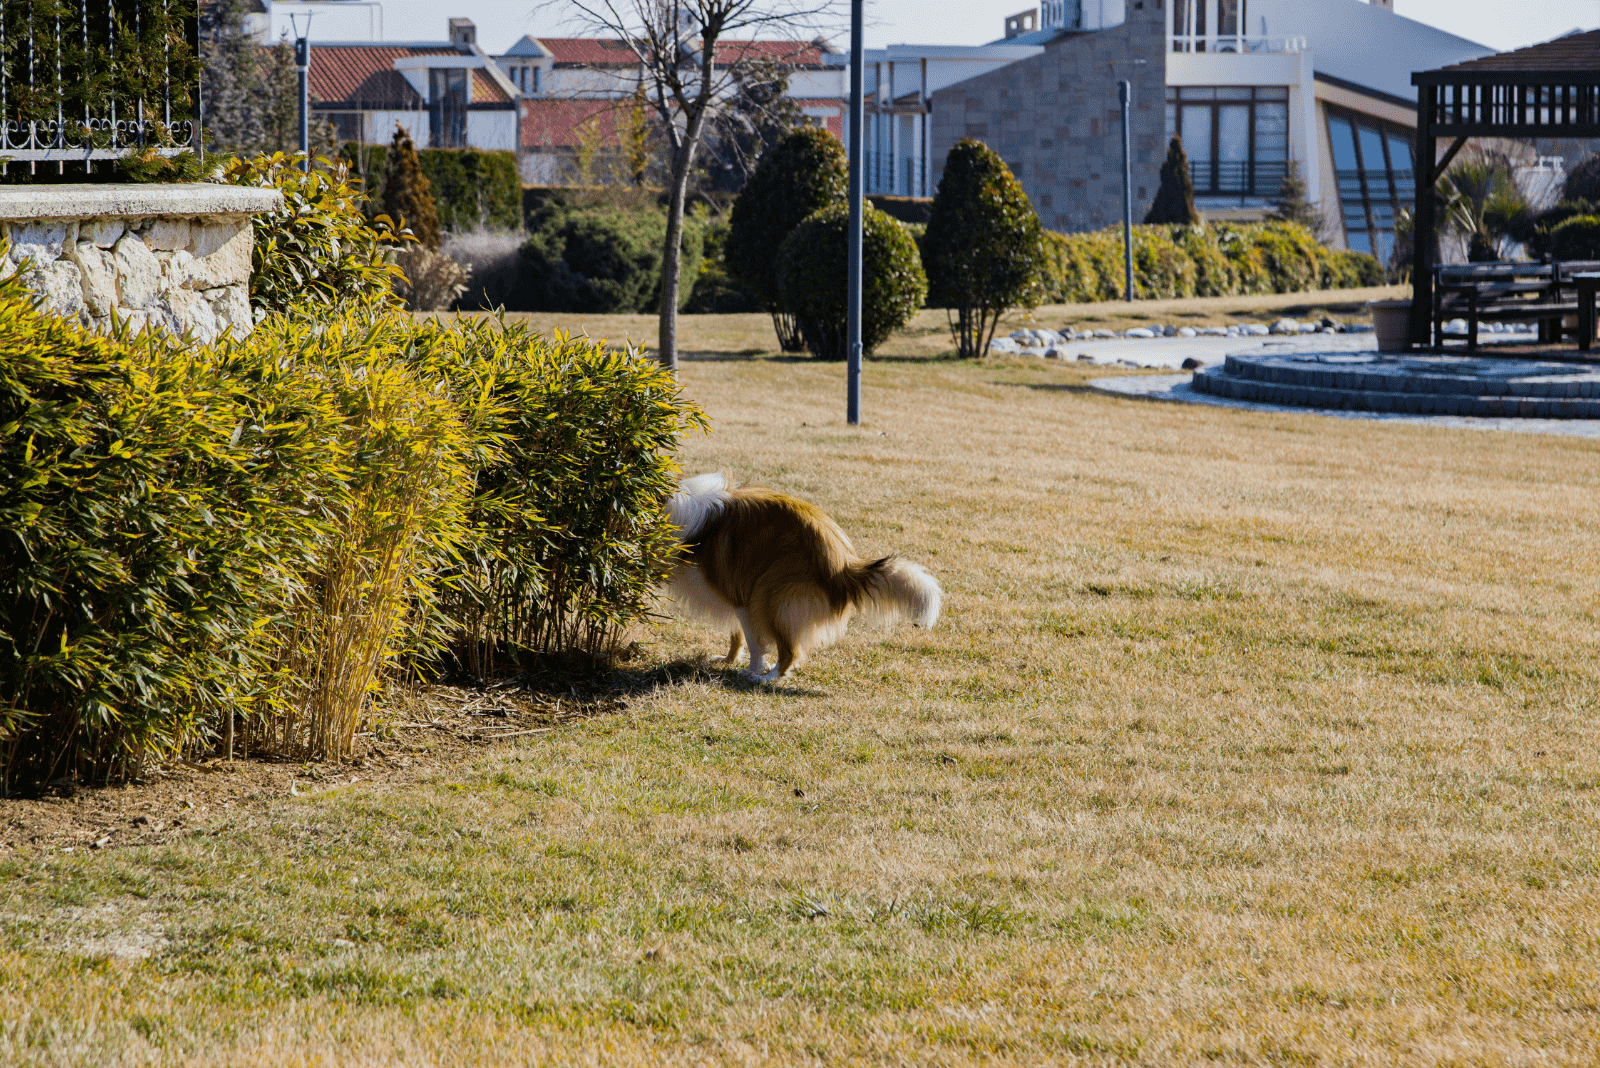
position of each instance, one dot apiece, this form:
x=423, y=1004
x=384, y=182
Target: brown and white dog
x=777, y=572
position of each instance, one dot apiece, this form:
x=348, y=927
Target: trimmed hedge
x=1215, y=260
x=243, y=540
x=471, y=188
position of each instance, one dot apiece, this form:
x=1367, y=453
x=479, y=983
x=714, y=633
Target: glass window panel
x=1399, y=151
x=1272, y=92
x=1344, y=143
x=1360, y=241
x=1385, y=245
x=1272, y=131
x=1372, y=151
x=1172, y=121
x=1233, y=132
x=1172, y=94
x=1233, y=92
x=1228, y=12
x=1199, y=93
x=1197, y=131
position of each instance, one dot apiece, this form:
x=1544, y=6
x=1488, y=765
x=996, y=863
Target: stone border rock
x=169, y=257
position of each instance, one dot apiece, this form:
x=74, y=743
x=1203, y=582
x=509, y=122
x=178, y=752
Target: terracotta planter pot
x=1391, y=321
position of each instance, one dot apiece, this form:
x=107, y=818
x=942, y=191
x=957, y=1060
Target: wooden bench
x=1502, y=292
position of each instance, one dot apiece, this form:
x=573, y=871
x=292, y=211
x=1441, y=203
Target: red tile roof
x=363, y=76
x=365, y=73
x=785, y=53
x=589, y=51
x=612, y=52
x=551, y=123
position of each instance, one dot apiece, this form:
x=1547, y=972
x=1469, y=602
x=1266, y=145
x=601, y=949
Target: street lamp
x=853, y=277
x=302, y=64
x=1125, y=98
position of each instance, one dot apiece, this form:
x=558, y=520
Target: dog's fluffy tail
x=697, y=501
x=892, y=589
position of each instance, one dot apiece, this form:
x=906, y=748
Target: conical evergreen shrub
x=801, y=174
x=1174, y=201
x=984, y=249
x=407, y=194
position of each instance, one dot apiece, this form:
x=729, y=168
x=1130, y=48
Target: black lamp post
x=302, y=65
x=853, y=278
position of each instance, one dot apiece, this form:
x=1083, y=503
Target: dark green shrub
x=603, y=260
x=319, y=249
x=407, y=192
x=812, y=282
x=471, y=188
x=803, y=173
x=1583, y=180
x=715, y=292
x=1574, y=238
x=1174, y=203
x=984, y=249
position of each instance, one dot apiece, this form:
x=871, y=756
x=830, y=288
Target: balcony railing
x=1247, y=178
x=84, y=80
x=1236, y=42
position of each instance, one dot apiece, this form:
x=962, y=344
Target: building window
x=1237, y=140
x=1189, y=23
x=347, y=125
x=447, y=107
x=1372, y=161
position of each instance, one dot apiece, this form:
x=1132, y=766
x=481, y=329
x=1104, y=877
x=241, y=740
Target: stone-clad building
x=1054, y=118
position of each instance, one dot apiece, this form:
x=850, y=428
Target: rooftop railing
x=1236, y=43
x=85, y=80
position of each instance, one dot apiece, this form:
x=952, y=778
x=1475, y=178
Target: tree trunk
x=671, y=255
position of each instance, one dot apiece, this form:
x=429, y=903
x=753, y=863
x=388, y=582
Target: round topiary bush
x=985, y=248
x=812, y=279
x=803, y=173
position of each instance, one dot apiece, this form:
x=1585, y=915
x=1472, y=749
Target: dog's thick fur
x=778, y=573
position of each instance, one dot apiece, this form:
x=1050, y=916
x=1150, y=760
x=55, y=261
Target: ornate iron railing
x=84, y=80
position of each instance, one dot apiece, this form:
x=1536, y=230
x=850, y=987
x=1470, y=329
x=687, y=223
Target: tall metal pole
x=1124, y=96
x=858, y=112
x=302, y=64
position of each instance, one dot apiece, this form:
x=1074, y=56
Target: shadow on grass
x=578, y=687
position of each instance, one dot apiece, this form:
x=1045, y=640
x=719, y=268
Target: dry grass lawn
x=1247, y=739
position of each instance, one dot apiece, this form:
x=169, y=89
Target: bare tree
x=690, y=66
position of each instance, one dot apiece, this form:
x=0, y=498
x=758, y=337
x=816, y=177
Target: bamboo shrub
x=570, y=540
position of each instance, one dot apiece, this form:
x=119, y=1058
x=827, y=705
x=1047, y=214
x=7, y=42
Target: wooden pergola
x=1545, y=90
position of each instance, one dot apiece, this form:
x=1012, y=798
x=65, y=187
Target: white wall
x=492, y=130
x=1363, y=43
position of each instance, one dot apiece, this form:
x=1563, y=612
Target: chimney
x=463, y=34
x=1022, y=22
x=1387, y=5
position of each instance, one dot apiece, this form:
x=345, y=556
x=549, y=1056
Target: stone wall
x=169, y=257
x=1055, y=120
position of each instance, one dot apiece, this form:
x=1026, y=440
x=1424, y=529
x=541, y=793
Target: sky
x=1499, y=24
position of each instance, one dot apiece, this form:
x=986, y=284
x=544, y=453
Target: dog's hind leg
x=735, y=647
x=758, y=646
